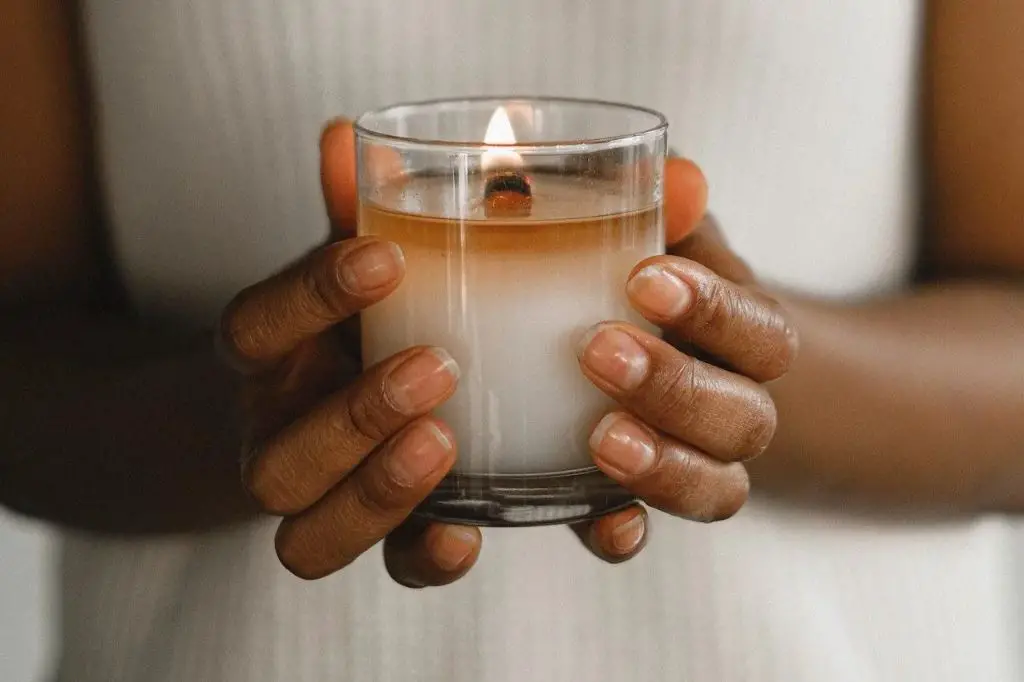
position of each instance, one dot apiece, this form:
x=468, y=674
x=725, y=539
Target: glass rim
x=527, y=148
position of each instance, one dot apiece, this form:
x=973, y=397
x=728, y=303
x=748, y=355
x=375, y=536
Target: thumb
x=686, y=198
x=338, y=175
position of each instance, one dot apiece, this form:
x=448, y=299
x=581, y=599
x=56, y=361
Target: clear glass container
x=520, y=220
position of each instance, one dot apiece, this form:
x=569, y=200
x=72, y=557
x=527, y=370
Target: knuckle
x=681, y=484
x=699, y=490
x=381, y=495
x=780, y=344
x=326, y=297
x=758, y=429
x=676, y=396
x=790, y=346
x=715, y=312
x=369, y=418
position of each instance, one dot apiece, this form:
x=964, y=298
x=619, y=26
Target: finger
x=268, y=320
x=617, y=537
x=723, y=414
x=314, y=370
x=431, y=554
x=338, y=175
x=369, y=504
x=707, y=245
x=741, y=326
x=667, y=474
x=299, y=465
x=686, y=198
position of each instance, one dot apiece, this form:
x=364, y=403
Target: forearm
x=110, y=427
x=913, y=401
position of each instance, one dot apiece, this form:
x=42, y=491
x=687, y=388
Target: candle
x=509, y=260
x=508, y=298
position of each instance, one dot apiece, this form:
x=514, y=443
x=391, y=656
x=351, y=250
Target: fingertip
x=738, y=493
x=419, y=555
x=686, y=198
x=453, y=549
x=293, y=552
x=338, y=171
x=334, y=127
x=366, y=267
x=659, y=293
x=444, y=432
x=619, y=536
x=623, y=448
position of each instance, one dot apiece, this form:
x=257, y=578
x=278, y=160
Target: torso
x=800, y=114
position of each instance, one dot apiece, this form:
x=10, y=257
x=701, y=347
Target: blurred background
x=27, y=608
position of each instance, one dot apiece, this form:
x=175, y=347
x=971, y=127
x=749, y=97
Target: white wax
x=511, y=320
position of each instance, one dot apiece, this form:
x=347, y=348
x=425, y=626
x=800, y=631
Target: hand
x=693, y=405
x=344, y=456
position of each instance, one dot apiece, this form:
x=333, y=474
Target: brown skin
x=320, y=452
x=910, y=401
x=46, y=202
x=917, y=399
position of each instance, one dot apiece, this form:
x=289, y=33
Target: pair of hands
x=345, y=456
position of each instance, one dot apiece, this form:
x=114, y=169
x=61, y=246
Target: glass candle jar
x=520, y=220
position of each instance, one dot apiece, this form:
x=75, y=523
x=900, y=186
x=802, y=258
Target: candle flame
x=499, y=131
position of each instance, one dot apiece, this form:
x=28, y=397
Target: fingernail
x=420, y=452
x=416, y=384
x=615, y=356
x=330, y=126
x=452, y=546
x=659, y=292
x=620, y=444
x=626, y=536
x=372, y=267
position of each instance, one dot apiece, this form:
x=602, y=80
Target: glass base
x=524, y=500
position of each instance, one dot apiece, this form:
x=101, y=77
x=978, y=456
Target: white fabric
x=800, y=112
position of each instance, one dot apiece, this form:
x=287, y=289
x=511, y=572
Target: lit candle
x=508, y=262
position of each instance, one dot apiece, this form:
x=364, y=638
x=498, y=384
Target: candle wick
x=508, y=193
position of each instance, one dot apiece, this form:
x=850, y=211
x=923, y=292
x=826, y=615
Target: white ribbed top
x=798, y=110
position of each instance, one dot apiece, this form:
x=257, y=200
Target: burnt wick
x=508, y=193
